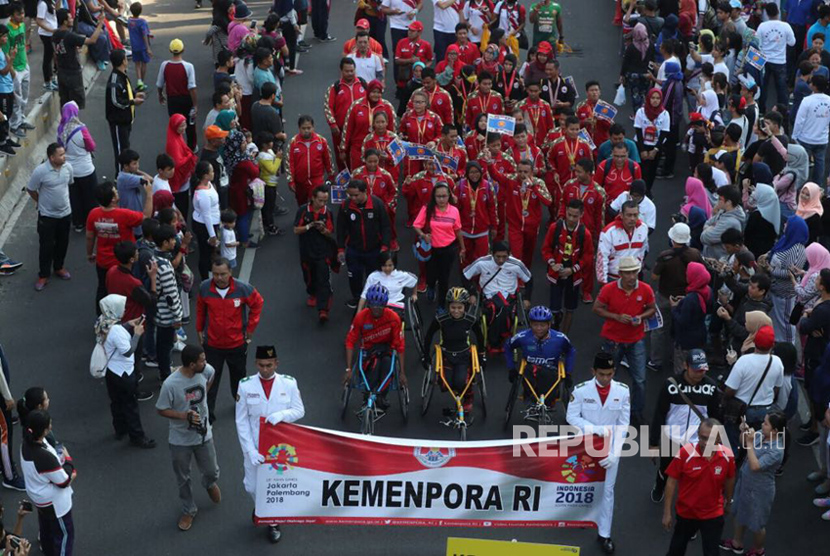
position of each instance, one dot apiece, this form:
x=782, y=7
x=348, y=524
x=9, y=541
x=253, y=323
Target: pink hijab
x=696, y=196
x=818, y=257
x=813, y=206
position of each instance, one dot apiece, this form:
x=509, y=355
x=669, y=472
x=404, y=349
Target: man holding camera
x=183, y=400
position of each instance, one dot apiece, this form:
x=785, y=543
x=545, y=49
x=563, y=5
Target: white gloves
x=256, y=458
x=274, y=418
x=602, y=430
x=608, y=462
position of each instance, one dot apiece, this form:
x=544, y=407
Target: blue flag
x=755, y=58
x=338, y=188
x=447, y=161
x=417, y=152
x=460, y=143
x=501, y=124
x=585, y=136
x=605, y=111
x=396, y=149
x=342, y=179
x=570, y=81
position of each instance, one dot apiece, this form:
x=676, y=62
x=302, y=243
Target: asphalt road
x=125, y=499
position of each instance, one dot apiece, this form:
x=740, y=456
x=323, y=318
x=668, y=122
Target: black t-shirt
x=67, y=44
x=265, y=118
x=772, y=157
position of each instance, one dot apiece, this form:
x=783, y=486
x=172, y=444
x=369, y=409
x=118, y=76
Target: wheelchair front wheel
x=511, y=401
x=344, y=401
x=427, y=388
x=482, y=391
x=403, y=399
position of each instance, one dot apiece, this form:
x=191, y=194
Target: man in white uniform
x=602, y=406
x=275, y=397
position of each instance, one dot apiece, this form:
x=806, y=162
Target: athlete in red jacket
x=563, y=155
x=438, y=100
x=381, y=185
x=309, y=160
x=476, y=201
x=497, y=167
x=358, y=122
x=338, y=99
x=538, y=114
x=524, y=200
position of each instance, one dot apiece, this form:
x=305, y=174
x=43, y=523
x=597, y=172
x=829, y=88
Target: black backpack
x=580, y=232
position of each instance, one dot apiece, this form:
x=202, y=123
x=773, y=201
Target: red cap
x=362, y=23
x=765, y=338
x=545, y=47
x=416, y=26
x=696, y=117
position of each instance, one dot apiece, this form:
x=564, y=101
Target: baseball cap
x=544, y=47
x=362, y=23
x=747, y=81
x=416, y=26
x=215, y=132
x=176, y=46
x=696, y=117
x=628, y=264
x=680, y=233
x=765, y=338
x=735, y=4
x=697, y=360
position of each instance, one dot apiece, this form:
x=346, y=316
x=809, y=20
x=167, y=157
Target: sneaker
x=311, y=301
x=656, y=367
x=303, y=44
x=323, y=316
x=63, y=274
x=826, y=516
x=140, y=378
x=293, y=72
x=272, y=231
x=821, y=502
x=101, y=65
x=12, y=143
x=422, y=287
x=624, y=363
x=728, y=545
x=27, y=126
x=587, y=298
x=152, y=363
x=823, y=489
x=41, y=282
x=179, y=346
x=79, y=229
x=815, y=476
x=181, y=334
x=197, y=6
x=302, y=49
x=9, y=266
x=805, y=427
x=657, y=494
x=280, y=211
x=327, y=38
x=143, y=442
x=19, y=132
x=780, y=471
x=6, y=150
x=54, y=84
x=352, y=303
x=252, y=245
x=16, y=483
x=144, y=395
x=808, y=439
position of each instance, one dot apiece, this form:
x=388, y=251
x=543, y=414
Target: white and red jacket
x=477, y=207
x=614, y=243
x=440, y=102
x=309, y=160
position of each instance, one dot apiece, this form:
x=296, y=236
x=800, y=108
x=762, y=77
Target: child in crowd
x=269, y=167
x=130, y=183
x=229, y=243
x=184, y=276
x=140, y=44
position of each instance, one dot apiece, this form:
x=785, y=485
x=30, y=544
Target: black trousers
x=499, y=314
x=397, y=35
x=235, y=358
x=101, y=291
x=124, y=404
x=182, y=202
x=317, y=278
x=82, y=198
x=48, y=63
x=182, y=105
x=290, y=36
x=54, y=241
x=320, y=18
x=165, y=338
x=57, y=534
x=6, y=107
x=269, y=206
x=360, y=264
x=439, y=267
x=685, y=529
x=71, y=87
x=205, y=250
x=377, y=30
x=120, y=135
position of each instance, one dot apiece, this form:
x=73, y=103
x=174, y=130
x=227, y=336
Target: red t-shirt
x=618, y=301
x=700, y=481
x=121, y=282
x=110, y=227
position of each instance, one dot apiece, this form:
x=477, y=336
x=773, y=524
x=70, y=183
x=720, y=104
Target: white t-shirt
x=648, y=212
x=78, y=156
x=368, y=67
x=394, y=282
x=747, y=372
x=775, y=37
x=228, y=236
x=476, y=21
x=661, y=73
x=722, y=67
x=721, y=178
x=813, y=119
x=160, y=185
x=445, y=20
x=651, y=130
x=244, y=75
x=694, y=81
x=118, y=343
x=498, y=280
x=399, y=21
x=51, y=19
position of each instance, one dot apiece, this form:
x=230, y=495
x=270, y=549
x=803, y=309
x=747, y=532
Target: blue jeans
x=635, y=355
x=360, y=264
x=100, y=51
x=778, y=72
x=441, y=41
x=818, y=152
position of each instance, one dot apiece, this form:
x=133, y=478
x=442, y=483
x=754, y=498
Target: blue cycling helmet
x=377, y=296
x=540, y=313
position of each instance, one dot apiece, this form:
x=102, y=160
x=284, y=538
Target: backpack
x=580, y=232
x=607, y=169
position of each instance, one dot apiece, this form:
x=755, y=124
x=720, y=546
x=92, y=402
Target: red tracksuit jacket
x=225, y=321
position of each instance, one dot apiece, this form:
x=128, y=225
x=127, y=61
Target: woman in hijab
x=788, y=252
x=508, y=84
x=792, y=177
x=240, y=166
x=755, y=320
x=74, y=136
x=668, y=31
x=535, y=68
x=696, y=196
x=759, y=172
x=217, y=35
x=689, y=313
x=673, y=103
x=451, y=63
x=226, y=120
x=475, y=141
x=185, y=161
x=818, y=258
x=489, y=61
x=639, y=53
x=764, y=223
x=358, y=123
x=811, y=209
x=652, y=125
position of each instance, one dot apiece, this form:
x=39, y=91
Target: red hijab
x=182, y=155
x=652, y=113
x=697, y=281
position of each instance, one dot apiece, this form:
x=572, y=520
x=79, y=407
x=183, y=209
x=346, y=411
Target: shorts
x=564, y=290
x=141, y=56
x=30, y=8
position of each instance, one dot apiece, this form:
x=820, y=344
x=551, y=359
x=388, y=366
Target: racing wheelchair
x=369, y=412
x=538, y=411
x=517, y=317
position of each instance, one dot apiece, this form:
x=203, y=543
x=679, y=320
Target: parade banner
x=318, y=476
x=418, y=152
x=585, y=136
x=605, y=111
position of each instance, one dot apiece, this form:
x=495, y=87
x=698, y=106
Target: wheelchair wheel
x=416, y=323
x=428, y=385
x=564, y=395
x=521, y=314
x=511, y=401
x=403, y=399
x=482, y=392
x=463, y=432
x=367, y=420
x=545, y=418
x=344, y=401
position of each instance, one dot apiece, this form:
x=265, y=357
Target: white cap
x=628, y=264
x=680, y=233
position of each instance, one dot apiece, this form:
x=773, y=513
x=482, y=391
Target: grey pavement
x=125, y=499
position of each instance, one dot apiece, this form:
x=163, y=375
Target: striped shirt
x=780, y=264
x=169, y=306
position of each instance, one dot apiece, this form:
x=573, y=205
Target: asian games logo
x=578, y=469
x=434, y=457
x=282, y=457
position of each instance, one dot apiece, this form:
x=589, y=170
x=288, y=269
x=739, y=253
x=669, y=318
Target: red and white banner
x=326, y=477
